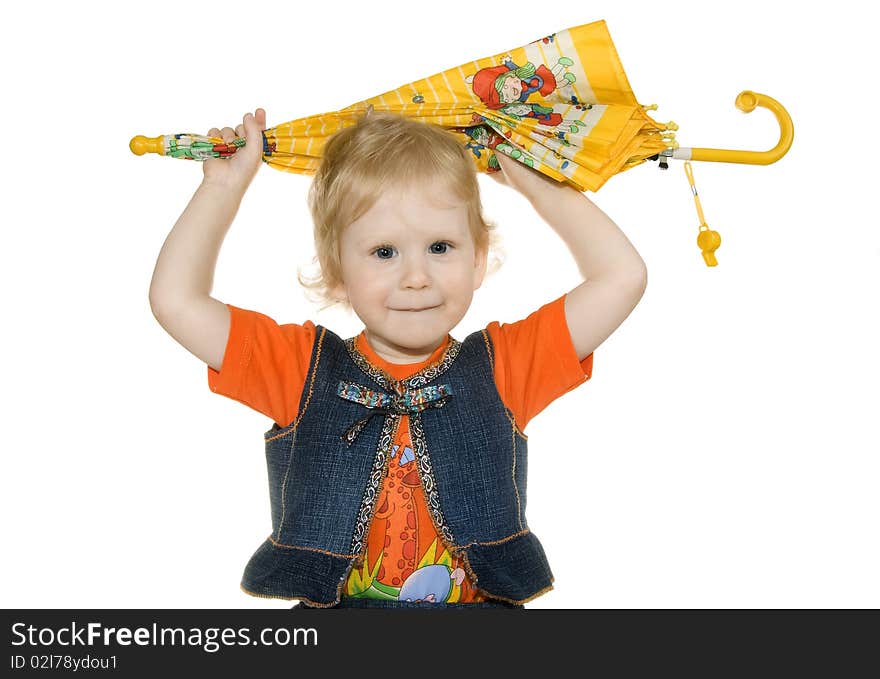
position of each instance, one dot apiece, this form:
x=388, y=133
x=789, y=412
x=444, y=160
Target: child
x=397, y=458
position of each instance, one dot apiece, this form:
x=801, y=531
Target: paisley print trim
x=422, y=377
x=420, y=448
x=368, y=503
x=426, y=474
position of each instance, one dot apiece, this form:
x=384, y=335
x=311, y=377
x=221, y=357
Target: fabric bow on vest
x=402, y=402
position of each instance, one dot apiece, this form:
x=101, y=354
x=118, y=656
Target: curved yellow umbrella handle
x=746, y=102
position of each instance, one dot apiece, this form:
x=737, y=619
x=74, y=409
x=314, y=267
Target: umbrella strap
x=707, y=240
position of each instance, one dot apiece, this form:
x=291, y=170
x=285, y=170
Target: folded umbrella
x=561, y=104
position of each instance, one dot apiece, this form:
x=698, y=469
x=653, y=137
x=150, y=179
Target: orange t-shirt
x=265, y=367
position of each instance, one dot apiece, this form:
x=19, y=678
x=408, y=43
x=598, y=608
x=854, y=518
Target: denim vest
x=326, y=470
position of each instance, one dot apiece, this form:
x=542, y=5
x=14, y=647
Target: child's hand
x=238, y=171
x=530, y=183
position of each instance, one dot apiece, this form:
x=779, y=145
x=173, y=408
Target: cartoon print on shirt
x=430, y=583
x=400, y=527
x=406, y=456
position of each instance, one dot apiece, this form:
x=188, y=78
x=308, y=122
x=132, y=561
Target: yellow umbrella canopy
x=560, y=104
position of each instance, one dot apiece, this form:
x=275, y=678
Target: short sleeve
x=265, y=364
x=535, y=361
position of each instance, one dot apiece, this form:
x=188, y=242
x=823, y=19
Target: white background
x=725, y=452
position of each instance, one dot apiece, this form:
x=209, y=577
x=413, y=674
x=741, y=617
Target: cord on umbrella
x=708, y=241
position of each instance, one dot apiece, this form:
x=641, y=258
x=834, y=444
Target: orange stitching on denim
x=316, y=604
x=521, y=601
x=310, y=602
x=284, y=432
x=284, y=482
x=515, y=427
x=314, y=372
x=507, y=413
x=513, y=477
x=343, y=582
x=462, y=556
x=295, y=425
x=488, y=348
x=309, y=549
x=473, y=577
x=495, y=542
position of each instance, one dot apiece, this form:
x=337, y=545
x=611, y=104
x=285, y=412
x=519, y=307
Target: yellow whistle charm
x=708, y=241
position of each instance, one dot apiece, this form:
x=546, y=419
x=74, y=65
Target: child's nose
x=415, y=273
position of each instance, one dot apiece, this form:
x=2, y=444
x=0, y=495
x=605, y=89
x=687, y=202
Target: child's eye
x=383, y=249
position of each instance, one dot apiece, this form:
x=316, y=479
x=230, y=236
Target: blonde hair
x=386, y=150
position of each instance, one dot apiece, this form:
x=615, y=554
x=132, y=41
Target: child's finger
x=248, y=124
x=254, y=134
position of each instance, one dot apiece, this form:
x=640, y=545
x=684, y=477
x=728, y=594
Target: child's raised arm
x=182, y=280
x=615, y=276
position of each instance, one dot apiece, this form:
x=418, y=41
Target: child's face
x=410, y=268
